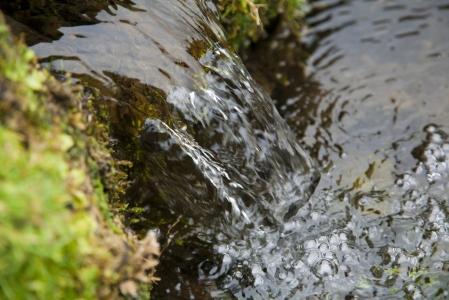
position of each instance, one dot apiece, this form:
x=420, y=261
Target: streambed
x=365, y=92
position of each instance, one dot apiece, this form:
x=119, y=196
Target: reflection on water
x=209, y=148
x=371, y=105
x=376, y=75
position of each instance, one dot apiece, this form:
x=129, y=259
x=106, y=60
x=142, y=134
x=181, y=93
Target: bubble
x=438, y=153
x=325, y=268
x=298, y=264
x=294, y=283
x=433, y=236
x=333, y=240
x=322, y=239
x=437, y=137
x=313, y=257
x=310, y=244
x=418, y=169
x=413, y=261
x=226, y=259
x=408, y=206
x=258, y=280
x=348, y=259
x=282, y=275
x=328, y=255
x=401, y=258
x=323, y=247
x=256, y=270
x=222, y=249
x=364, y=201
x=290, y=226
x=430, y=128
x=430, y=159
x=344, y=247
x=315, y=215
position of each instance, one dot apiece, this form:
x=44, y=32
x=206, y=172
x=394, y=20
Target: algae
x=58, y=236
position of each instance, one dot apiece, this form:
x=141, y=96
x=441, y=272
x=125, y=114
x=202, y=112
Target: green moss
x=35, y=245
x=246, y=20
x=58, y=237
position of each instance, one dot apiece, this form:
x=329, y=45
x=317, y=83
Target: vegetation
x=58, y=238
x=246, y=20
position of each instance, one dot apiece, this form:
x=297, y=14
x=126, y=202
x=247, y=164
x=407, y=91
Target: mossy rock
x=58, y=237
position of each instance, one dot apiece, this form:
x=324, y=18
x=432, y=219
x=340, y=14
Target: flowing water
x=219, y=175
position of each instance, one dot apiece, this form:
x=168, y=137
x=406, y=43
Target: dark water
x=371, y=105
x=366, y=94
x=376, y=76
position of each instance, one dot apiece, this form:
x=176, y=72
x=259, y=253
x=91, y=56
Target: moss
x=246, y=20
x=58, y=237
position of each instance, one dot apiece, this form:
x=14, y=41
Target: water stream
x=226, y=183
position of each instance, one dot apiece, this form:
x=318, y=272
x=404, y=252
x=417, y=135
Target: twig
x=281, y=6
x=168, y=239
x=254, y=11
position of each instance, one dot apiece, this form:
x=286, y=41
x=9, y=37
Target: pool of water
x=227, y=185
x=366, y=91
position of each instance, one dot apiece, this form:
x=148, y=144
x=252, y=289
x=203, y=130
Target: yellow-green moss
x=58, y=238
x=245, y=20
